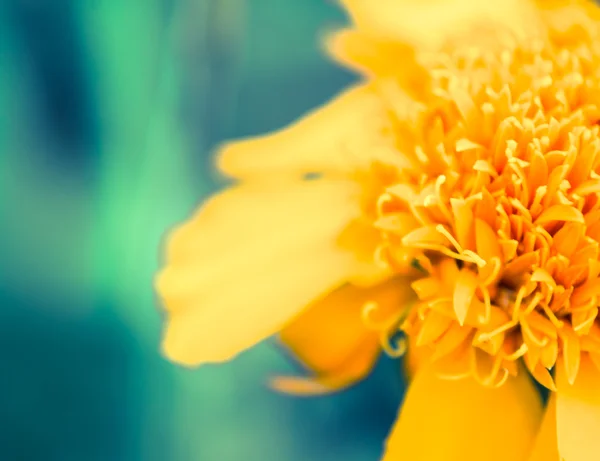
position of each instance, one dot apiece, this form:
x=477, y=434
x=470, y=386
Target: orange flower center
x=496, y=201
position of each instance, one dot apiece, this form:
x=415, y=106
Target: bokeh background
x=110, y=111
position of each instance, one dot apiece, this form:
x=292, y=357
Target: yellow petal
x=362, y=239
x=561, y=16
x=488, y=248
x=463, y=420
x=560, y=213
x=434, y=325
x=545, y=448
x=424, y=237
x=464, y=292
x=415, y=358
x=430, y=23
x=333, y=338
x=325, y=140
x=463, y=223
x=578, y=413
x=248, y=262
x=380, y=57
x=356, y=368
x=571, y=353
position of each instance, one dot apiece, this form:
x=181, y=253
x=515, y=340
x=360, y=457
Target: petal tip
x=179, y=348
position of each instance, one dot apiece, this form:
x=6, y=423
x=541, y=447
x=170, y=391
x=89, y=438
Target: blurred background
x=110, y=111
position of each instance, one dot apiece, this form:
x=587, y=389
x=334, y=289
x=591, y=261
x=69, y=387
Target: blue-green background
x=110, y=111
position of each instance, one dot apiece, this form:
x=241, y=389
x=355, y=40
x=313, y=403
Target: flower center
x=497, y=202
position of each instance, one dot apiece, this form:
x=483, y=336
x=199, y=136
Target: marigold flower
x=453, y=196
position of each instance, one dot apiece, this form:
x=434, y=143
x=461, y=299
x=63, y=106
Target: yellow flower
x=453, y=196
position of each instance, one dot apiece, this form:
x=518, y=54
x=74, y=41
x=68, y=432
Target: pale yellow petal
x=336, y=338
x=429, y=23
x=462, y=420
x=546, y=448
x=248, y=262
x=380, y=57
x=578, y=412
x=332, y=138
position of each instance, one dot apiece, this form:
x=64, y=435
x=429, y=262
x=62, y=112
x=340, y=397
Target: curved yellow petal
x=326, y=140
x=334, y=337
x=248, y=262
x=429, y=23
x=546, y=448
x=578, y=412
x=462, y=420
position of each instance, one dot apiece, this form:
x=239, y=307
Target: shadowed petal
x=462, y=420
x=334, y=340
x=546, y=447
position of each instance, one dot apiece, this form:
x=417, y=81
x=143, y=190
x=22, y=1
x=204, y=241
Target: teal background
x=110, y=111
